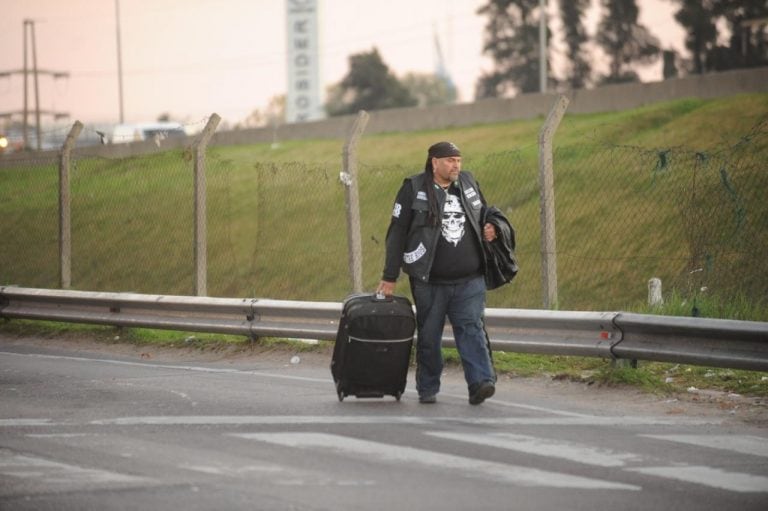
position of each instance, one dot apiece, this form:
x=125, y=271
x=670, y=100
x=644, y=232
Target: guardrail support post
x=65, y=214
x=349, y=177
x=547, y=202
x=201, y=227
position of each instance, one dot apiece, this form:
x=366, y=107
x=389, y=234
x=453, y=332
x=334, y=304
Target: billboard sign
x=302, y=102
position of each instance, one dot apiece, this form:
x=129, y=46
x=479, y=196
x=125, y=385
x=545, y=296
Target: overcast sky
x=190, y=58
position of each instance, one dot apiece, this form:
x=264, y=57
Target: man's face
x=446, y=170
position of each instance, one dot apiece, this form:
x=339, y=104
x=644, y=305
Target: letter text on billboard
x=302, y=102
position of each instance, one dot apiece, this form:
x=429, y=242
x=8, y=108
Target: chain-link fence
x=277, y=227
x=29, y=224
x=696, y=220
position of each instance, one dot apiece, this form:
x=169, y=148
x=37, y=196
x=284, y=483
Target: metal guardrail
x=616, y=335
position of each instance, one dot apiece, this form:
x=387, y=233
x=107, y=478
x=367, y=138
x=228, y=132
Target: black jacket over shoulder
x=412, y=238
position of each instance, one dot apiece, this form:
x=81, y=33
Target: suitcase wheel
x=398, y=395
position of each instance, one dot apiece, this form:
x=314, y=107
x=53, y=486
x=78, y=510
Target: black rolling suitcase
x=373, y=346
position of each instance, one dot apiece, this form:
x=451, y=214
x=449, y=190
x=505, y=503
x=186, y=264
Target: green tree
x=369, y=85
x=624, y=40
x=572, y=13
x=512, y=41
x=272, y=114
x=747, y=46
x=430, y=89
x=745, y=21
x=698, y=18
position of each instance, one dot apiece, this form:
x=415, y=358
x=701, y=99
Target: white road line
x=25, y=422
x=744, y=444
x=236, y=420
x=58, y=435
x=708, y=476
x=328, y=380
x=511, y=474
x=227, y=470
x=191, y=420
x=49, y=472
x=571, y=451
x=199, y=369
x=499, y=402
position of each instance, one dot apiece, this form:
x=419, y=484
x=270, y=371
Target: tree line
x=719, y=35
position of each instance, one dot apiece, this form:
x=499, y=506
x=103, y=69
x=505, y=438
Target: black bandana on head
x=441, y=150
x=444, y=150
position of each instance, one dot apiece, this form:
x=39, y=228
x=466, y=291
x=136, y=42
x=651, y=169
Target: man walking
x=436, y=237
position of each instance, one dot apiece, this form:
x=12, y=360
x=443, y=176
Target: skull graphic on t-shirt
x=453, y=220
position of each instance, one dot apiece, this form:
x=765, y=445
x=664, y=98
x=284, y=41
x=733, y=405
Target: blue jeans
x=464, y=305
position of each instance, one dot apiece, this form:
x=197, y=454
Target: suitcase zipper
x=360, y=339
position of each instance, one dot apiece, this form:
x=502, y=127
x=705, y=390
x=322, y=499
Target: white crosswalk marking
x=570, y=451
x=708, y=476
x=744, y=444
x=227, y=470
x=45, y=471
x=511, y=474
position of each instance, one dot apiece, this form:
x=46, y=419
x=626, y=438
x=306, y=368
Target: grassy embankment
x=159, y=187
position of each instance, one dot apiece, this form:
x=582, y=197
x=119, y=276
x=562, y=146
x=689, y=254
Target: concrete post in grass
x=654, y=293
x=65, y=215
x=201, y=231
x=349, y=178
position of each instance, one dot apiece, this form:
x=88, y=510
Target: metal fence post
x=201, y=232
x=65, y=214
x=352, y=201
x=547, y=203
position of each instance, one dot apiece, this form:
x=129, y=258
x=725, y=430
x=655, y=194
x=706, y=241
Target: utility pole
x=26, y=103
x=119, y=61
x=29, y=35
x=36, y=82
x=542, y=46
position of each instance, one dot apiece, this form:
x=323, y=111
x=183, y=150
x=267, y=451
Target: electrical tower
x=29, y=35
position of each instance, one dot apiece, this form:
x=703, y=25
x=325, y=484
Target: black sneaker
x=481, y=392
x=428, y=400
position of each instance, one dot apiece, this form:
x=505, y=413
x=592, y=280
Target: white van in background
x=154, y=131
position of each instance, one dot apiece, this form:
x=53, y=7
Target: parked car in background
x=154, y=131
x=10, y=142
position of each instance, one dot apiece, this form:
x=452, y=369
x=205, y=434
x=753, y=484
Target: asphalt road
x=121, y=428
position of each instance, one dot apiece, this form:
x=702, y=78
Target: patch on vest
x=412, y=257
